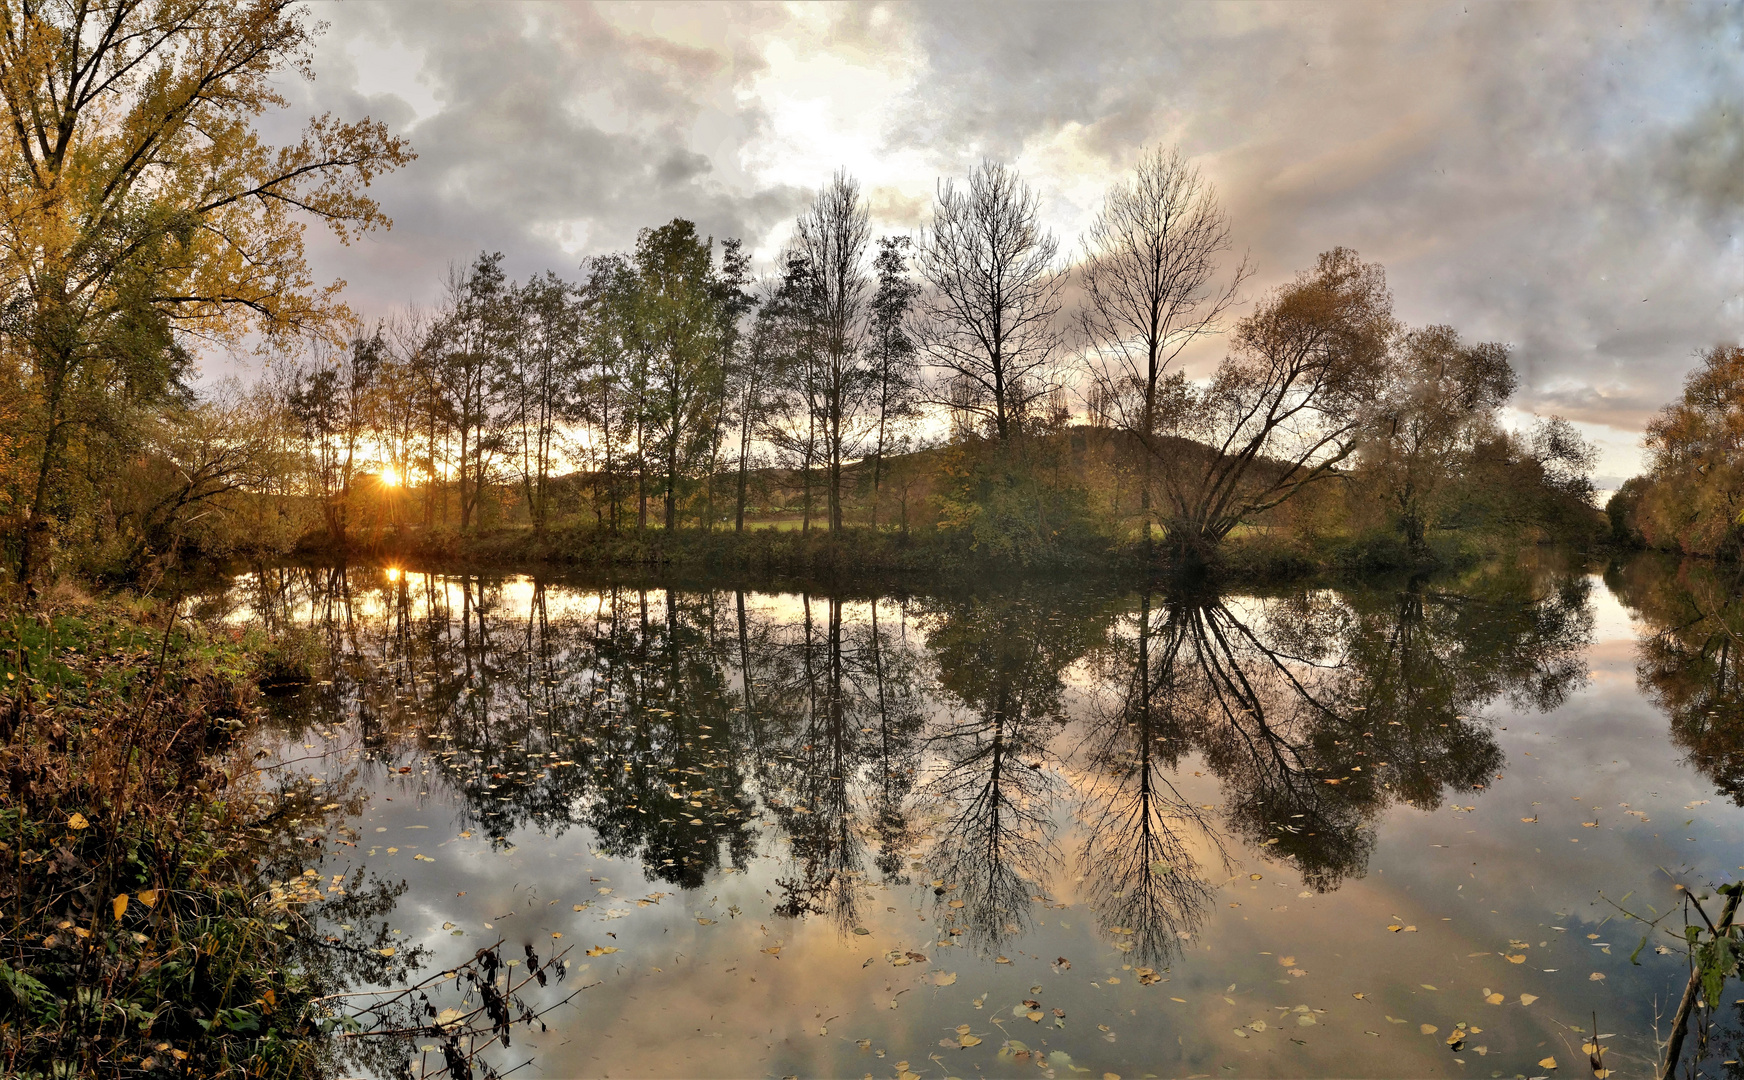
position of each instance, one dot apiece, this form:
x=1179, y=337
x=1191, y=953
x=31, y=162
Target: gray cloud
x=1564, y=178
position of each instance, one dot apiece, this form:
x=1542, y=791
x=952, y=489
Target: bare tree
x=993, y=293
x=1150, y=290
x=832, y=238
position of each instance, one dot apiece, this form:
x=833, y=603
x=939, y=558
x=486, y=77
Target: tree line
x=859, y=381
x=669, y=381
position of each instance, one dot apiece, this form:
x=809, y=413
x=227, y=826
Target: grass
x=137, y=937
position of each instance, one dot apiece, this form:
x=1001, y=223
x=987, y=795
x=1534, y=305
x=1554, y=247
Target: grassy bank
x=138, y=936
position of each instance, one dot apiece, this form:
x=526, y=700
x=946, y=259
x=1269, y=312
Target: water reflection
x=1691, y=658
x=949, y=735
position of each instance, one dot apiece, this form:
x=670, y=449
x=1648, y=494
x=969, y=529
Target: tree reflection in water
x=1690, y=662
x=960, y=736
x=1316, y=711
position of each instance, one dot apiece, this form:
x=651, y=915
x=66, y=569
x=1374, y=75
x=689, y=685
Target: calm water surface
x=1042, y=828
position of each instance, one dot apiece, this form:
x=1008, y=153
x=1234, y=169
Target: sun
x=390, y=478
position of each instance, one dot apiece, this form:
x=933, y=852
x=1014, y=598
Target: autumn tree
x=791, y=322
x=144, y=213
x=1285, y=408
x=1439, y=399
x=993, y=293
x=1151, y=289
x=735, y=298
x=1695, y=491
x=333, y=402
x=678, y=295
x=612, y=392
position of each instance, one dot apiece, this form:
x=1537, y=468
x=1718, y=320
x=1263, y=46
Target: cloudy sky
x=1568, y=179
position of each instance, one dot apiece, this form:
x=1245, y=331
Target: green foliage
x=1011, y=501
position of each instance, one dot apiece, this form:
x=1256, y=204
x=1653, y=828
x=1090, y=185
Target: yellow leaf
x=1527, y=999
x=1427, y=1029
x=705, y=922
x=148, y=897
x=1035, y=1016
x=179, y=1055
x=601, y=950
x=389, y=951
x=1494, y=999
x=963, y=1029
x=120, y=906
x=956, y=903
x=1547, y=1063
x=1516, y=959
x=967, y=1041
x=77, y=821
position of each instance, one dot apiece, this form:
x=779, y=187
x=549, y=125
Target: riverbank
x=769, y=556
x=141, y=934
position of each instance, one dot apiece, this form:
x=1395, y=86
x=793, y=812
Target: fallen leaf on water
x=1597, y=976
x=1516, y=959
x=705, y=922
x=861, y=930
x=389, y=951
x=944, y=978
x=1001, y=960
x=1547, y=1063
x=1426, y=986
x=581, y=907
x=956, y=903
x=1427, y=1029
x=1258, y=1025
x=1395, y=927
x=602, y=950
x=1494, y=999
x=967, y=1041
x=1034, y=1015
x=1527, y=999
x=1253, y=877
x=1359, y=997
x=1287, y=961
